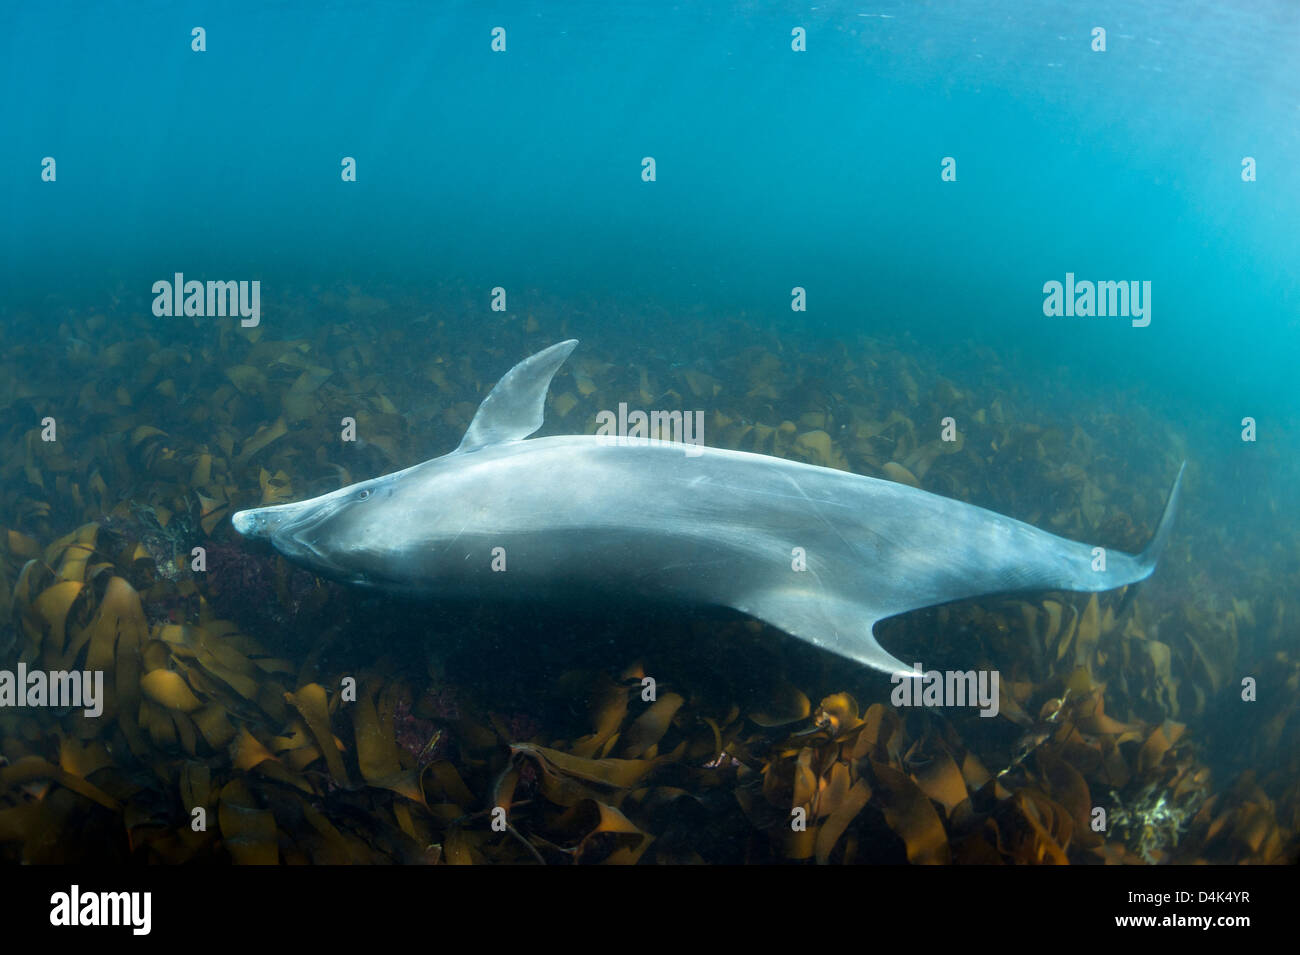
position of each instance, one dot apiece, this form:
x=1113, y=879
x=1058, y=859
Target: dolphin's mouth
x=263, y=523
x=304, y=550
x=297, y=539
x=289, y=529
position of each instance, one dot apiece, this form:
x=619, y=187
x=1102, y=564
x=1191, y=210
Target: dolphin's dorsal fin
x=513, y=410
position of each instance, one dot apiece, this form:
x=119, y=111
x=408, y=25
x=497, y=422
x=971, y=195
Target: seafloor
x=224, y=686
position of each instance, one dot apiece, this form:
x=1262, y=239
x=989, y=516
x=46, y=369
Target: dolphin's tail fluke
x=1082, y=573
x=1147, y=559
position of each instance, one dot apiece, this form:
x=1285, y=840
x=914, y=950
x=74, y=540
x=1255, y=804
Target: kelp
x=286, y=769
x=220, y=741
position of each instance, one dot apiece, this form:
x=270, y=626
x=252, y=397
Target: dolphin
x=819, y=553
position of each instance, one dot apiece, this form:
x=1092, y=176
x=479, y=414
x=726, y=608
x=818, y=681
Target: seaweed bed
x=257, y=715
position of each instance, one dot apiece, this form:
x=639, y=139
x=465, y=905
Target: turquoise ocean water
x=775, y=169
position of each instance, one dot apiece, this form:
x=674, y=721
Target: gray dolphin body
x=578, y=515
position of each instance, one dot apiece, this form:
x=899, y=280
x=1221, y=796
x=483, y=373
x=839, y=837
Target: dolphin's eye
x=362, y=495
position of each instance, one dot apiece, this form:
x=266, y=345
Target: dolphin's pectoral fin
x=513, y=409
x=832, y=623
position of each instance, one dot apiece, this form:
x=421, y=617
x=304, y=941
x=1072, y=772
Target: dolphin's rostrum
x=582, y=515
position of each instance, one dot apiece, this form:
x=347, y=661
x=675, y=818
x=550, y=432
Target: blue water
x=775, y=169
